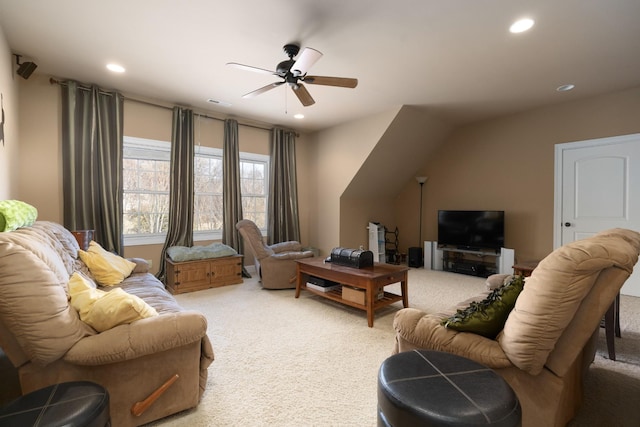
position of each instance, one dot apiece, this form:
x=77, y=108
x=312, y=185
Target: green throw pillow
x=487, y=317
x=15, y=214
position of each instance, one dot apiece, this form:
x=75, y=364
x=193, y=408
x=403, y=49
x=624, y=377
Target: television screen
x=471, y=230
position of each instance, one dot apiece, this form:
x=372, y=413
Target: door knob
x=567, y=224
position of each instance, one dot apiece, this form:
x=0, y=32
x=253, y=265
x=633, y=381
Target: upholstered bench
x=70, y=404
x=432, y=388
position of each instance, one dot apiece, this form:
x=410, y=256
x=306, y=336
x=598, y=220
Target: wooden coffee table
x=369, y=279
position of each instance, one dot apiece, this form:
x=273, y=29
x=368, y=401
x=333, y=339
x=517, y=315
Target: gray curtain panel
x=92, y=139
x=231, y=193
x=181, y=186
x=284, y=223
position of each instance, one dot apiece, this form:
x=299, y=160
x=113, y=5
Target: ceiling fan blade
x=263, y=89
x=250, y=68
x=307, y=58
x=331, y=81
x=303, y=95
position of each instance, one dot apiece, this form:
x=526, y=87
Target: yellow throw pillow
x=83, y=293
x=104, y=310
x=107, y=268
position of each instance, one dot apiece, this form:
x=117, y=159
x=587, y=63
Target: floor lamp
x=415, y=254
x=421, y=180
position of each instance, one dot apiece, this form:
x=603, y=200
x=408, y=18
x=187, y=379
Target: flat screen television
x=471, y=230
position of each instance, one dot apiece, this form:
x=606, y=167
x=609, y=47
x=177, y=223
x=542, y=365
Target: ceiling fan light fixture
x=521, y=25
x=308, y=57
x=298, y=116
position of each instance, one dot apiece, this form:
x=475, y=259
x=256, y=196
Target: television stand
x=473, y=262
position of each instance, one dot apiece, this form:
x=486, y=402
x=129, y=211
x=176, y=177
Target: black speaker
x=415, y=257
x=26, y=69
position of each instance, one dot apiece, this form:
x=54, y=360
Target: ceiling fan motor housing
x=291, y=49
x=283, y=68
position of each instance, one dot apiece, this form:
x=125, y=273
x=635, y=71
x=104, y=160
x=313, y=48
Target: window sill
x=159, y=239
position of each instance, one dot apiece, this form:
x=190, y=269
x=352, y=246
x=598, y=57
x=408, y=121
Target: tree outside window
x=146, y=171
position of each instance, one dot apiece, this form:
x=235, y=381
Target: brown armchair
x=549, y=338
x=275, y=263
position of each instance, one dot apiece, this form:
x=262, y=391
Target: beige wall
x=355, y=215
x=508, y=164
x=9, y=150
x=338, y=154
x=398, y=157
x=505, y=163
x=144, y=120
x=39, y=165
x=41, y=152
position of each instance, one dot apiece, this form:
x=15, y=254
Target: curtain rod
x=153, y=104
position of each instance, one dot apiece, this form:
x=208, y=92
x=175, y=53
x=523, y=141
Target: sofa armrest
x=416, y=329
x=140, y=338
x=142, y=266
x=291, y=246
x=292, y=255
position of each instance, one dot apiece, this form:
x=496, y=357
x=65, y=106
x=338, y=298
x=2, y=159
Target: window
x=253, y=187
x=145, y=173
x=146, y=170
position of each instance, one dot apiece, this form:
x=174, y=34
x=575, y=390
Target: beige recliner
x=549, y=338
x=274, y=263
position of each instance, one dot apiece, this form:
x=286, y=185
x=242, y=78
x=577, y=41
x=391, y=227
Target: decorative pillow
x=15, y=214
x=104, y=310
x=107, y=268
x=487, y=317
x=214, y=250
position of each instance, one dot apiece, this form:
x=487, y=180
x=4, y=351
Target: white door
x=598, y=182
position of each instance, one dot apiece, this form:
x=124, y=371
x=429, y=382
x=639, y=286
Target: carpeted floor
x=282, y=361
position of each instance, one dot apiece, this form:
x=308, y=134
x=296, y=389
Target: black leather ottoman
x=432, y=388
x=72, y=404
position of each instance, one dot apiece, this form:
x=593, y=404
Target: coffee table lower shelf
x=336, y=295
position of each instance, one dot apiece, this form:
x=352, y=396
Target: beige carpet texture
x=282, y=361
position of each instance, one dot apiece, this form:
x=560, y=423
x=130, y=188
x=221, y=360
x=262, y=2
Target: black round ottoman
x=71, y=404
x=432, y=388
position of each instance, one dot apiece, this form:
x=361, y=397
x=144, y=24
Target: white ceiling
x=456, y=57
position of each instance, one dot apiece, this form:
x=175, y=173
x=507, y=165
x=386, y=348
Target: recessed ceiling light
x=521, y=25
x=220, y=103
x=115, y=68
x=565, y=88
x=298, y=116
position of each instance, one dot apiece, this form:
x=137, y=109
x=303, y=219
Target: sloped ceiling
x=396, y=159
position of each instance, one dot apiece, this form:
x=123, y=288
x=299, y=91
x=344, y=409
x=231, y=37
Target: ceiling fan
x=294, y=72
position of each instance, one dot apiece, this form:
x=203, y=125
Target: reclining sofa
x=549, y=338
x=45, y=339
